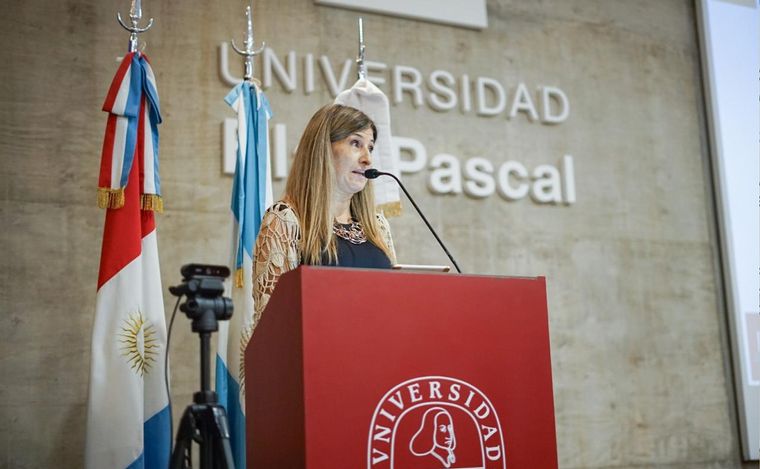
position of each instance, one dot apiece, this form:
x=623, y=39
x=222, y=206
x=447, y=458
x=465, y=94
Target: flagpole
x=249, y=52
x=365, y=96
x=251, y=196
x=135, y=15
x=360, y=65
x=128, y=409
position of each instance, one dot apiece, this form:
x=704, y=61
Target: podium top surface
x=353, y=270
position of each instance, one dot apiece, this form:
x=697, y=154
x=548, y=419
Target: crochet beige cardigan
x=277, y=251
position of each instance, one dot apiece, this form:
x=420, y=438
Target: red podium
x=354, y=368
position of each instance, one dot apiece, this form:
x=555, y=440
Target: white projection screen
x=730, y=34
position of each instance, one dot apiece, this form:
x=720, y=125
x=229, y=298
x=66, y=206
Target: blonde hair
x=312, y=178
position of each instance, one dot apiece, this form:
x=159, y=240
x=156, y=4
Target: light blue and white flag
x=251, y=196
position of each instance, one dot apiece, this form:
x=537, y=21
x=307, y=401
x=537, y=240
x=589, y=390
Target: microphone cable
x=166, y=376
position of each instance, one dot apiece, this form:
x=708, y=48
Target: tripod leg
x=226, y=450
x=216, y=450
x=182, y=454
x=223, y=447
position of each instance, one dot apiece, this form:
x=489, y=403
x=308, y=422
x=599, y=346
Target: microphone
x=372, y=173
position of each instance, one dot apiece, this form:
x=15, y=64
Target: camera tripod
x=204, y=421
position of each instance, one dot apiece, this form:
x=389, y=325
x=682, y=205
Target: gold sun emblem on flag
x=139, y=344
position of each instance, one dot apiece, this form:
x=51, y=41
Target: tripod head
x=204, y=285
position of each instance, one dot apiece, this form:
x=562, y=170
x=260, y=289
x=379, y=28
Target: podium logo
x=435, y=422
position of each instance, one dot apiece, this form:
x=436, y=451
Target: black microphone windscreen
x=371, y=173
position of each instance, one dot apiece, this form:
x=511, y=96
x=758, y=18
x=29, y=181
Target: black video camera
x=204, y=286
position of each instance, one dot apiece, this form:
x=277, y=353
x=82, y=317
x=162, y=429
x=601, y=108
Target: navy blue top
x=365, y=255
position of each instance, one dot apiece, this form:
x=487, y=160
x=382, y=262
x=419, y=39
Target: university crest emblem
x=435, y=422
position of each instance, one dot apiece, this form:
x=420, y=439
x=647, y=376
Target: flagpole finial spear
x=249, y=52
x=135, y=14
x=361, y=66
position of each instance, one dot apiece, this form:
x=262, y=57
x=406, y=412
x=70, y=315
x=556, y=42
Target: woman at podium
x=327, y=214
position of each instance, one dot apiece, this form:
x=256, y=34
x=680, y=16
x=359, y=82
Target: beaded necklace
x=351, y=232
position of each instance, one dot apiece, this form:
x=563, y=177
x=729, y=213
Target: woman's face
x=351, y=157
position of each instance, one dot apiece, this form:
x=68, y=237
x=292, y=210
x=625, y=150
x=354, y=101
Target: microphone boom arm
x=373, y=173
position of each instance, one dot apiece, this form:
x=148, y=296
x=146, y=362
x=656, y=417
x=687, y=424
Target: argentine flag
x=251, y=196
x=128, y=418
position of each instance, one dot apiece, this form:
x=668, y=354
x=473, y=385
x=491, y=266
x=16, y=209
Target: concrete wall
x=639, y=353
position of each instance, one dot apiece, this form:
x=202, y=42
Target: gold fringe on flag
x=151, y=202
x=239, y=278
x=110, y=198
x=390, y=209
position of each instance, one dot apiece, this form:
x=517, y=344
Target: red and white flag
x=128, y=418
